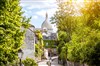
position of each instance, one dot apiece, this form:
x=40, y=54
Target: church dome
x=45, y=24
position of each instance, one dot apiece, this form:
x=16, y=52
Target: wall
x=28, y=46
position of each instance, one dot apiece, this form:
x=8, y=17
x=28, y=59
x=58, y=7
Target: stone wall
x=28, y=46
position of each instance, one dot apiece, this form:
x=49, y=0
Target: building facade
x=29, y=43
x=30, y=39
x=47, y=30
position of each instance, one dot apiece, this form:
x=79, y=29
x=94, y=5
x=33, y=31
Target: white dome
x=45, y=24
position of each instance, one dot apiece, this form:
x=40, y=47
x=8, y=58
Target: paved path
x=43, y=63
x=53, y=63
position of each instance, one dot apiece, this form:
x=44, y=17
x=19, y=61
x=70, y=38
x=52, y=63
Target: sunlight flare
x=79, y=0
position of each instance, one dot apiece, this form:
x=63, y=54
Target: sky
x=37, y=10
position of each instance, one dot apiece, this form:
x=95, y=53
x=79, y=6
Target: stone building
x=29, y=43
x=47, y=30
x=47, y=33
x=30, y=39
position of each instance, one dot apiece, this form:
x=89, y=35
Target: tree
x=29, y=62
x=11, y=36
x=91, y=10
x=39, y=46
x=65, y=21
x=93, y=22
x=86, y=37
x=61, y=40
x=83, y=32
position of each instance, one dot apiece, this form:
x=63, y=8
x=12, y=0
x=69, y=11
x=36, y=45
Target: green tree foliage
x=11, y=36
x=92, y=12
x=63, y=53
x=29, y=62
x=63, y=17
x=38, y=51
x=65, y=23
x=50, y=43
x=62, y=39
x=39, y=46
x=83, y=31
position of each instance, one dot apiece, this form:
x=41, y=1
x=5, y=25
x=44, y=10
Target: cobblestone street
x=54, y=62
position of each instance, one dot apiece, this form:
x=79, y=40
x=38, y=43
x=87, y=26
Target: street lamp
x=20, y=55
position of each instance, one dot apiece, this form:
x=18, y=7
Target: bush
x=74, y=52
x=29, y=62
x=38, y=50
x=94, y=58
x=51, y=44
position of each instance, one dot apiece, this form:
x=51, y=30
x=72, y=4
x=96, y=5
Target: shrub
x=11, y=35
x=29, y=62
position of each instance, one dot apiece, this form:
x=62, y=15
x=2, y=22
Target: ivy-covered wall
x=49, y=43
x=39, y=45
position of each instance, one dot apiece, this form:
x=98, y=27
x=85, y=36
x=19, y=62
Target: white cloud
x=35, y=17
x=23, y=4
x=42, y=5
x=38, y=0
x=34, y=6
x=31, y=4
x=49, y=11
x=24, y=10
x=41, y=13
x=38, y=9
x=25, y=14
x=48, y=6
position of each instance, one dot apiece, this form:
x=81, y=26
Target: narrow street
x=53, y=63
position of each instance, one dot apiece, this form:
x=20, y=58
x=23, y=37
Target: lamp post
x=20, y=55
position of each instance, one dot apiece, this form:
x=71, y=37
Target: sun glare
x=78, y=0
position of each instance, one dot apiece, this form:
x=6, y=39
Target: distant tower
x=46, y=25
x=46, y=16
